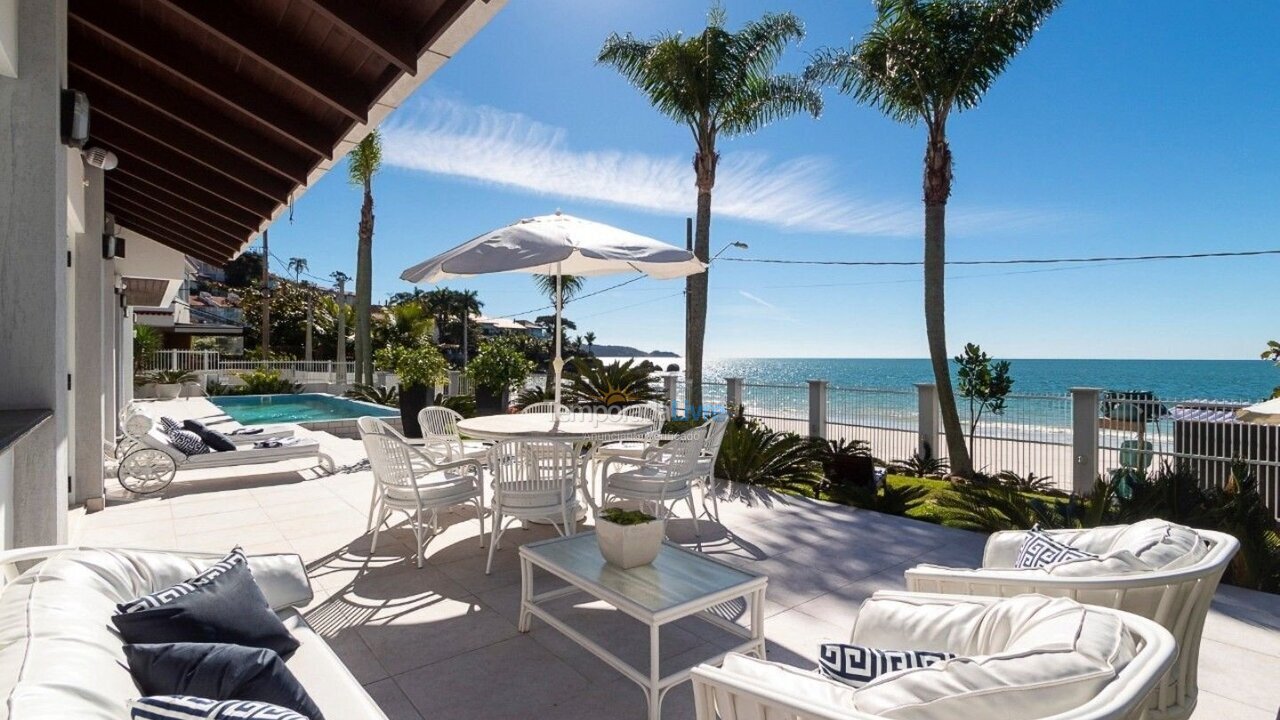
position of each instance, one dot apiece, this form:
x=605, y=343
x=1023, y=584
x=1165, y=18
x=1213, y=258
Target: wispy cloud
x=489, y=145
x=757, y=300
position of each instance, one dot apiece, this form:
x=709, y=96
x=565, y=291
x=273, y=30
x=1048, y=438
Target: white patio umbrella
x=1264, y=413
x=557, y=245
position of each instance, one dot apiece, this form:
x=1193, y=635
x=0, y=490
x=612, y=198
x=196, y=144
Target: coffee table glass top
x=676, y=577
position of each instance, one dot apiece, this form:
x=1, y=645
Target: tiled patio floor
x=441, y=641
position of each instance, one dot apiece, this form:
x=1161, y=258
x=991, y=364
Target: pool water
x=307, y=407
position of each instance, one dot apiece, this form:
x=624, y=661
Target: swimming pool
x=303, y=408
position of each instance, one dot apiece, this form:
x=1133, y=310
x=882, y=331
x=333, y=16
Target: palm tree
x=341, y=279
x=717, y=83
x=919, y=62
x=362, y=164
x=590, y=338
x=468, y=304
x=570, y=286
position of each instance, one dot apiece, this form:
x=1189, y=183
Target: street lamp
x=738, y=245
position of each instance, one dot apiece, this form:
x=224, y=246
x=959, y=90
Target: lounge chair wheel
x=124, y=447
x=146, y=470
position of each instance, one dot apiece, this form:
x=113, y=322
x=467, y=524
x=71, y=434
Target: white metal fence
x=211, y=364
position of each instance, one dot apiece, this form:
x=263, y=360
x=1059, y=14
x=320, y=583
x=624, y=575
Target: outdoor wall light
x=100, y=158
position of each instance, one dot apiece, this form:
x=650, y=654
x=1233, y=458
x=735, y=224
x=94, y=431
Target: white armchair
x=1019, y=658
x=1158, y=570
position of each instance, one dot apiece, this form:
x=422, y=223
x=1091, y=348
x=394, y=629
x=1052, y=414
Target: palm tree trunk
x=695, y=331
x=364, y=290
x=937, y=188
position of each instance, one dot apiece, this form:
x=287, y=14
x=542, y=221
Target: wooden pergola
x=223, y=111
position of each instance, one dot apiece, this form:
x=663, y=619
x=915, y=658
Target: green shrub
x=922, y=463
x=619, y=516
x=376, y=394
x=415, y=366
x=532, y=395
x=171, y=377
x=464, y=405
x=594, y=384
x=755, y=455
x=266, y=382
x=499, y=365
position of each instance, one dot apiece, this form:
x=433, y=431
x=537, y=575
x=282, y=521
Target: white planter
x=166, y=391
x=628, y=546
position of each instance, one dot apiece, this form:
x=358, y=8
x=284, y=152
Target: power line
x=1021, y=261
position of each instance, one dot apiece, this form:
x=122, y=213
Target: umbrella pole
x=558, y=363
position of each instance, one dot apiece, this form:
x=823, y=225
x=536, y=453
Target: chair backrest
x=546, y=407
x=533, y=474
x=680, y=456
x=390, y=458
x=653, y=412
x=716, y=428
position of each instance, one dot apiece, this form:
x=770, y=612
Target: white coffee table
x=680, y=583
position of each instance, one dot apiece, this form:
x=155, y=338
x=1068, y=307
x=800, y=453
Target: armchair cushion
x=791, y=681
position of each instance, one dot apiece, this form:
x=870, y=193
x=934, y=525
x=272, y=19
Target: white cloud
x=509, y=149
x=757, y=300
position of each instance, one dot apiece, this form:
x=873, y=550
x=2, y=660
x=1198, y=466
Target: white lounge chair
x=1188, y=564
x=1018, y=658
x=153, y=461
x=124, y=444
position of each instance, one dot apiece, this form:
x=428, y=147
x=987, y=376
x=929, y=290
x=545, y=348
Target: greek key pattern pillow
x=186, y=587
x=182, y=707
x=857, y=665
x=1039, y=550
x=187, y=442
x=168, y=424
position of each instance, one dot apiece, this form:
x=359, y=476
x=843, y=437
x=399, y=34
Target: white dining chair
x=411, y=481
x=716, y=428
x=440, y=429
x=654, y=413
x=662, y=474
x=533, y=480
x=546, y=407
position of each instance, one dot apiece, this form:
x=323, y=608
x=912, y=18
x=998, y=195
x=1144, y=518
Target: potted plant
x=420, y=370
x=629, y=538
x=169, y=382
x=497, y=367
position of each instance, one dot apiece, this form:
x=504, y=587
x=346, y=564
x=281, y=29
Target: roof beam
x=142, y=214
x=192, y=145
x=215, y=83
x=186, y=209
x=445, y=16
x=372, y=30
x=160, y=185
x=166, y=237
x=230, y=25
x=91, y=66
x=131, y=145
x=144, y=207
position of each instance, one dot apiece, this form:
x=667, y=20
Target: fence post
x=927, y=417
x=818, y=408
x=173, y=359
x=1084, y=438
x=669, y=389
x=733, y=393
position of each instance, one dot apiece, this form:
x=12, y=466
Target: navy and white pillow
x=168, y=424
x=187, y=442
x=183, y=707
x=1040, y=550
x=857, y=665
x=186, y=587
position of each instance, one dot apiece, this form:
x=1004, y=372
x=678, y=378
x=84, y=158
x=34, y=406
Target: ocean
x=1229, y=380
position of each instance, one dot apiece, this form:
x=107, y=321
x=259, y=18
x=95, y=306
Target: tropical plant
x=266, y=382
x=985, y=384
x=717, y=83
x=621, y=516
x=146, y=342
x=592, y=383
x=244, y=271
x=1031, y=482
x=1240, y=510
x=921, y=61
x=846, y=464
x=753, y=454
x=171, y=377
x=464, y=405
x=590, y=339
x=363, y=163
x=990, y=508
x=376, y=394
x=499, y=365
x=297, y=266
x=532, y=396
x=922, y=463
x=216, y=387
x=406, y=325
x=421, y=366
x=570, y=286
x=1272, y=353
x=890, y=499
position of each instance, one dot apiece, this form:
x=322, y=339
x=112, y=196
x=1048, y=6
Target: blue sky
x=1125, y=128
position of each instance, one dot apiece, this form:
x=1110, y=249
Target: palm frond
x=365, y=159
x=766, y=99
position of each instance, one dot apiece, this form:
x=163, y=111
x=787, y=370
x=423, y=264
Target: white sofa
x=1160, y=570
x=60, y=656
x=1021, y=658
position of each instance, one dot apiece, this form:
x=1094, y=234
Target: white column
x=1084, y=438
x=33, y=266
x=733, y=393
x=927, y=412
x=91, y=322
x=669, y=386
x=818, y=408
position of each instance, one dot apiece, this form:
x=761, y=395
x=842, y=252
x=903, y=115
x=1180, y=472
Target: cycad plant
x=753, y=454
x=592, y=383
x=717, y=83
x=920, y=62
x=922, y=463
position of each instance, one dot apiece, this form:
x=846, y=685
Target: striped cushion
x=168, y=424
x=187, y=442
x=186, y=587
x=857, y=665
x=182, y=707
x=1040, y=550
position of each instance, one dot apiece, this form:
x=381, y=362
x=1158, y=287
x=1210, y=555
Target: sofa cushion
x=230, y=608
x=1145, y=546
x=857, y=665
x=1025, y=657
x=219, y=672
x=186, y=587
x=184, y=707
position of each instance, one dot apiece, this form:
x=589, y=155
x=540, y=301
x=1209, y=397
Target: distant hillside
x=628, y=351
